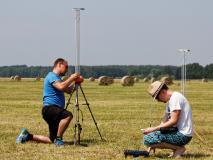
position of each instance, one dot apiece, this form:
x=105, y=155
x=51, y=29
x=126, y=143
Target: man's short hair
x=58, y=60
x=165, y=87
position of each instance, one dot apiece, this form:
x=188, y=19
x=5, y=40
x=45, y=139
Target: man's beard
x=62, y=74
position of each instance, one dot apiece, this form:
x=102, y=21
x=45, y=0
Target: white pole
x=184, y=72
x=183, y=69
x=77, y=39
x=182, y=75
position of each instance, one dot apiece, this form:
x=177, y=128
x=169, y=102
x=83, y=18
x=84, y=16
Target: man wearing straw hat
x=176, y=129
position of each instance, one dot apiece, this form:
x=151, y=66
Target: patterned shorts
x=157, y=137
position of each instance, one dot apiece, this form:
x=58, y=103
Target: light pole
x=77, y=38
x=183, y=69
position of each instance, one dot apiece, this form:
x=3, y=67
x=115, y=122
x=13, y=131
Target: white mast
x=183, y=69
x=77, y=39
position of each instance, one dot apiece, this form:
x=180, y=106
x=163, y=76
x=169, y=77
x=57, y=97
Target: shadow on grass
x=186, y=156
x=85, y=142
x=196, y=155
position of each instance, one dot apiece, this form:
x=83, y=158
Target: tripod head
x=79, y=80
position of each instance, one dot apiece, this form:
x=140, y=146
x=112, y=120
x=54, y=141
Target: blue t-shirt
x=52, y=96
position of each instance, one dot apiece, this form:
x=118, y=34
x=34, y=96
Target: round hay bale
x=146, y=79
x=105, y=80
x=152, y=80
x=127, y=81
x=178, y=84
x=37, y=79
x=64, y=78
x=110, y=80
x=12, y=78
x=136, y=79
x=204, y=80
x=167, y=80
x=91, y=79
x=17, y=78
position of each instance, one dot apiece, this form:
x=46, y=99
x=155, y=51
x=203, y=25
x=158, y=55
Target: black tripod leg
x=75, y=140
x=77, y=122
x=79, y=133
x=68, y=102
x=91, y=112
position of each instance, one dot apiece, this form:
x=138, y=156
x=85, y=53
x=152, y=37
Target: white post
x=77, y=39
x=183, y=69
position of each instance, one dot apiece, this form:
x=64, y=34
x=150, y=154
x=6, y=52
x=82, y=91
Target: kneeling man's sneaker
x=23, y=136
x=59, y=142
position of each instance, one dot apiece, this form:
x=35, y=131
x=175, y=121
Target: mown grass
x=119, y=111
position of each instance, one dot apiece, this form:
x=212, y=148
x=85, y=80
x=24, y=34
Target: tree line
x=194, y=71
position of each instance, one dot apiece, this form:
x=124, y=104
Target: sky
x=113, y=32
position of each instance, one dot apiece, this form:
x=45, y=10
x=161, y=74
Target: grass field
x=120, y=113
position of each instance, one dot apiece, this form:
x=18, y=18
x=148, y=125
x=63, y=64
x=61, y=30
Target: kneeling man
x=53, y=112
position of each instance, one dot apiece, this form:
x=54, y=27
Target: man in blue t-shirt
x=53, y=111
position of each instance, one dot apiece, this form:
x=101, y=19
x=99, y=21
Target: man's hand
x=148, y=130
x=62, y=86
x=74, y=76
x=80, y=79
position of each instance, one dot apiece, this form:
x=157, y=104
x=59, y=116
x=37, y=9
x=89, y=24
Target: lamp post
x=183, y=69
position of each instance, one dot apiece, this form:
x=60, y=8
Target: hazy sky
x=137, y=32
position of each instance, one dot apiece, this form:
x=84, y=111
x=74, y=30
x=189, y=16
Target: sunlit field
x=119, y=111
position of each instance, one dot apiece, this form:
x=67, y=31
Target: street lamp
x=183, y=69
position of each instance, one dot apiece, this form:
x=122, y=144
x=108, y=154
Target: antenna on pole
x=183, y=69
x=77, y=38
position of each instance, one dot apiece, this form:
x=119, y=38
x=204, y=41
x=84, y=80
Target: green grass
x=119, y=111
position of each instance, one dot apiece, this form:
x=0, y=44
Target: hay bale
x=167, y=80
x=105, y=80
x=146, y=79
x=37, y=79
x=152, y=80
x=110, y=80
x=136, y=79
x=17, y=78
x=127, y=81
x=64, y=78
x=12, y=78
x=178, y=84
x=91, y=79
x=204, y=80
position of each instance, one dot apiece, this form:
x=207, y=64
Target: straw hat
x=155, y=88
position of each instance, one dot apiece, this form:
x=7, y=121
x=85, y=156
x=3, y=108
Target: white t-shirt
x=178, y=102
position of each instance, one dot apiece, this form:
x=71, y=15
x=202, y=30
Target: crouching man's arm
x=169, y=123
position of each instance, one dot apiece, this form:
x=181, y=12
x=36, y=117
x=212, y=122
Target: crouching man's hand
x=148, y=130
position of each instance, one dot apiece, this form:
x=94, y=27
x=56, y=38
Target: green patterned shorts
x=157, y=137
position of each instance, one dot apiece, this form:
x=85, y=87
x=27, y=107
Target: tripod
x=78, y=127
